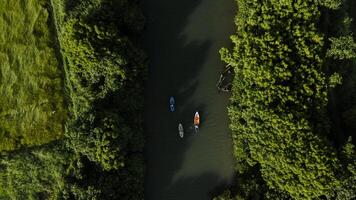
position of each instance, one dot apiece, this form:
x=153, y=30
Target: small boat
x=196, y=121
x=171, y=104
x=180, y=130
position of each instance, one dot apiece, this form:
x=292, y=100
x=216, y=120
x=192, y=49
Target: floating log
x=225, y=80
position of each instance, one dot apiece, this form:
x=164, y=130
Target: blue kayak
x=171, y=104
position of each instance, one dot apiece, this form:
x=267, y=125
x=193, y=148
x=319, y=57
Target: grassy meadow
x=32, y=107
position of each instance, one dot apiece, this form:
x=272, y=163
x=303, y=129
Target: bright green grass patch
x=32, y=108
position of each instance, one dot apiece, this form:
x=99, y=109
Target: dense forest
x=87, y=61
x=293, y=100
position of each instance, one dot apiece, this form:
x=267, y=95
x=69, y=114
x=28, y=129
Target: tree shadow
x=197, y=185
x=341, y=107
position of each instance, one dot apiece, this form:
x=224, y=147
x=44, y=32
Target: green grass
x=32, y=109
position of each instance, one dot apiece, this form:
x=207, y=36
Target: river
x=182, y=40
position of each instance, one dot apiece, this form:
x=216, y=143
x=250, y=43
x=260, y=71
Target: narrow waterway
x=182, y=40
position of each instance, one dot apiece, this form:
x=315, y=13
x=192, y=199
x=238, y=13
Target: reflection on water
x=182, y=41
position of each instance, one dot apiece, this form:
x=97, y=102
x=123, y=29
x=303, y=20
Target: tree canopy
x=101, y=153
x=279, y=100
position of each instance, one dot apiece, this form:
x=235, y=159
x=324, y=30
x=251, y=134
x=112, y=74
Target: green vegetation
x=33, y=174
x=32, y=108
x=281, y=117
x=100, y=155
x=292, y=109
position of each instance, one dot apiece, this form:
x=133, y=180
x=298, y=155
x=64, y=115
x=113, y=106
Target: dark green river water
x=182, y=40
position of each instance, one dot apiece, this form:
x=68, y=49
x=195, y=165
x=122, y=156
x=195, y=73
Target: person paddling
x=196, y=121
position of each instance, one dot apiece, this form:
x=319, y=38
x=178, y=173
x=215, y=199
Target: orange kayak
x=196, y=119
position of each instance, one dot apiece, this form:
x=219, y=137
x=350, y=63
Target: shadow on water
x=341, y=107
x=184, y=63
